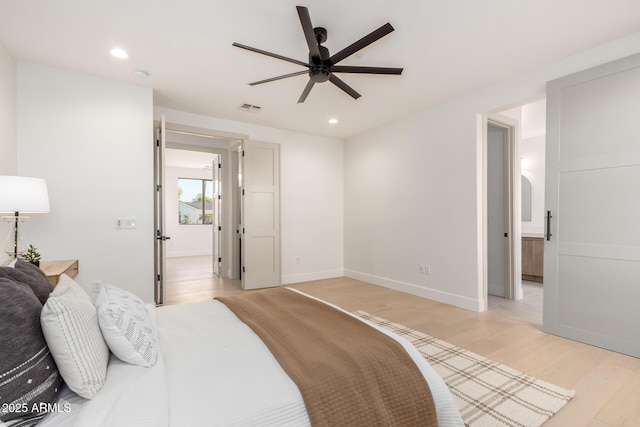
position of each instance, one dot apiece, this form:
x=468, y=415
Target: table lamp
x=20, y=195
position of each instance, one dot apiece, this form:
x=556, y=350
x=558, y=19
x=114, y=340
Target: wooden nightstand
x=53, y=269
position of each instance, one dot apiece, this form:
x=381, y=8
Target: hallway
x=191, y=279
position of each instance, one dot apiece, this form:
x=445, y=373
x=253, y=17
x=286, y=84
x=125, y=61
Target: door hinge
x=506, y=234
x=243, y=191
x=219, y=228
x=158, y=278
x=242, y=230
x=220, y=259
x=243, y=269
x=242, y=153
x=158, y=187
x=219, y=197
x=219, y=165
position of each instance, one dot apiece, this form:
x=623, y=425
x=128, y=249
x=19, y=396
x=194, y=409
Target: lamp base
x=14, y=244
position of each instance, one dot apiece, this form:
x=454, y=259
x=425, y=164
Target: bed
x=209, y=369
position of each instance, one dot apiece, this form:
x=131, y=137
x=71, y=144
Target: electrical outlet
x=424, y=269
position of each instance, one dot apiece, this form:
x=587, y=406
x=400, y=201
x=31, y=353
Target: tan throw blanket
x=349, y=374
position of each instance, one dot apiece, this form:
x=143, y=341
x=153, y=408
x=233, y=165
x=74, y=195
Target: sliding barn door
x=592, y=252
x=260, y=215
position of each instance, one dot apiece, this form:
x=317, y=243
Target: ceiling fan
x=322, y=66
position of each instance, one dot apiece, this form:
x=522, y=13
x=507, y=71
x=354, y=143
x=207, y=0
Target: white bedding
x=212, y=370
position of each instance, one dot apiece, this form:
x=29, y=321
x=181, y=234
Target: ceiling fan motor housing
x=319, y=71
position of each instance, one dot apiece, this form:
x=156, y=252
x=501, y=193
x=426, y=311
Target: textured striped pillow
x=126, y=326
x=70, y=325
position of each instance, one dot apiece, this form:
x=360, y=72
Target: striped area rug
x=486, y=392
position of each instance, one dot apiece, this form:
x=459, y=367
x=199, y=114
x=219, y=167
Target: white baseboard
x=433, y=294
x=307, y=277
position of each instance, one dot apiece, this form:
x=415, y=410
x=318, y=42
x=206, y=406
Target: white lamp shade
x=23, y=194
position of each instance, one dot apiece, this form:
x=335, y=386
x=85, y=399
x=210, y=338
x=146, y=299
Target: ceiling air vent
x=250, y=108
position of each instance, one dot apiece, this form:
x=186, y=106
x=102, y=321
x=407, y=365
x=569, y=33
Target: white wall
x=311, y=193
x=91, y=139
x=186, y=240
x=413, y=189
x=8, y=142
x=8, y=146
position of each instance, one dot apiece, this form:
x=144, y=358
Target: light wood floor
x=191, y=279
x=607, y=384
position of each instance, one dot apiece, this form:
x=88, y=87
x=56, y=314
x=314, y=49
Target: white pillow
x=70, y=325
x=126, y=326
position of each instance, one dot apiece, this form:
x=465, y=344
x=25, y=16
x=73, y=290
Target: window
x=195, y=201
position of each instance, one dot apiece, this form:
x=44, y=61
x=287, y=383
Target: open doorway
x=197, y=221
x=529, y=230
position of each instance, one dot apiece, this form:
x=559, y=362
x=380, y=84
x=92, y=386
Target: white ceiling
x=447, y=47
x=188, y=159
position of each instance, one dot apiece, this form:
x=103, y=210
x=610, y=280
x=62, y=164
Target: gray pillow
x=29, y=374
x=32, y=276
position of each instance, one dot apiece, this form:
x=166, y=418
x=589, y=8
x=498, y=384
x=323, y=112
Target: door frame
x=229, y=258
x=513, y=209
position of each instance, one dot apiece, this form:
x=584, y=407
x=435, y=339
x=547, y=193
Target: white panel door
x=260, y=215
x=159, y=212
x=592, y=257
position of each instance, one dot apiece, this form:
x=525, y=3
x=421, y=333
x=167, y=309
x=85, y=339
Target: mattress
x=212, y=370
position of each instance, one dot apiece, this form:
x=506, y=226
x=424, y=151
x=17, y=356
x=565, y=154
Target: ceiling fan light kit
x=321, y=66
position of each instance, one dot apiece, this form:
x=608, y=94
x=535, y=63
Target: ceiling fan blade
x=362, y=43
x=309, y=34
x=365, y=70
x=272, y=79
x=273, y=55
x=345, y=87
x=306, y=91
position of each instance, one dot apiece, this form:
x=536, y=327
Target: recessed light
x=333, y=121
x=141, y=73
x=119, y=53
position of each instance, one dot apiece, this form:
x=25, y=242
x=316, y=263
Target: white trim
x=513, y=209
x=420, y=291
x=481, y=213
